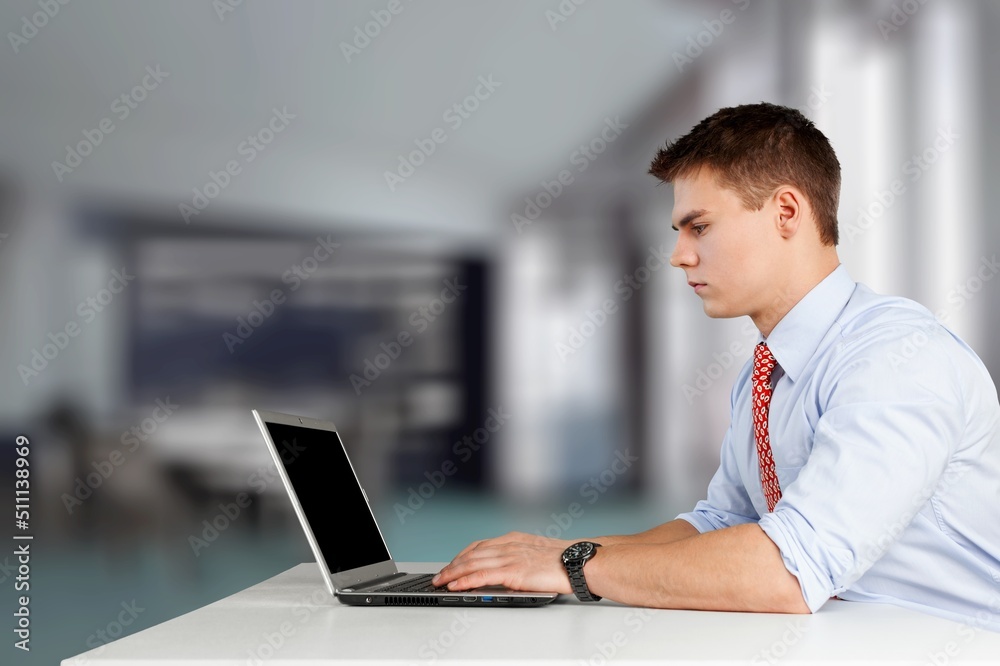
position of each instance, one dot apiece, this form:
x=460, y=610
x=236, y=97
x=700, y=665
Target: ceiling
x=558, y=82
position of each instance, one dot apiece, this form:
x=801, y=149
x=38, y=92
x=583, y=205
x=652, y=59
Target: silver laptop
x=340, y=526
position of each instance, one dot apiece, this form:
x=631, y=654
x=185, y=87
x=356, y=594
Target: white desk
x=291, y=619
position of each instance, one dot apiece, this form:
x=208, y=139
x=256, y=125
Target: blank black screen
x=329, y=495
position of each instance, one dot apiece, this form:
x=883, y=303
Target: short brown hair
x=754, y=149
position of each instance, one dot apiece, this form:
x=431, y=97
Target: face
x=729, y=254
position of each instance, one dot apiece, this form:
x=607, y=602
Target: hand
x=516, y=560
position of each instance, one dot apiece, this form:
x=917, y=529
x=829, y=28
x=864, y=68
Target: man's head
x=756, y=189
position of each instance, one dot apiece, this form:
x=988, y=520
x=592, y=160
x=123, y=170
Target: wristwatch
x=573, y=559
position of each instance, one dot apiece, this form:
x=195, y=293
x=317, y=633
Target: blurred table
x=291, y=619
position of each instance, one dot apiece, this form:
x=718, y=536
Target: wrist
x=574, y=560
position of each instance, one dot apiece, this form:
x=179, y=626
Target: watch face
x=578, y=551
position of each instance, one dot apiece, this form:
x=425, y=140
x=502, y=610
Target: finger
x=536, y=540
x=458, y=568
x=453, y=572
x=480, y=578
x=521, y=537
x=472, y=546
x=510, y=537
x=469, y=553
x=491, y=548
x=448, y=573
x=506, y=538
x=463, y=563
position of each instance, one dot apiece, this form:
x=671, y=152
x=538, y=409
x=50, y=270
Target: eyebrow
x=688, y=219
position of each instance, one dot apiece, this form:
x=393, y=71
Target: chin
x=720, y=311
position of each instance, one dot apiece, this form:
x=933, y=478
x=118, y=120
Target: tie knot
x=763, y=360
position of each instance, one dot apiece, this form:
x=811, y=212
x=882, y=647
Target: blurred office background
x=290, y=280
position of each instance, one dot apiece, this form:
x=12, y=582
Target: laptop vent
x=411, y=601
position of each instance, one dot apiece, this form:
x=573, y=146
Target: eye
x=698, y=229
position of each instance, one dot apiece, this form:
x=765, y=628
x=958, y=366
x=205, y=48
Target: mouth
x=697, y=286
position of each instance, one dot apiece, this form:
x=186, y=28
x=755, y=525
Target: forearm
x=668, y=532
x=735, y=569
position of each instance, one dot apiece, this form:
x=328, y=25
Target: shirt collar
x=795, y=338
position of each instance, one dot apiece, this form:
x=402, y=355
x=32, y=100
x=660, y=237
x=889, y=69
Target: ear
x=790, y=205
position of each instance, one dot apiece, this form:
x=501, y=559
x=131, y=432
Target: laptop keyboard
x=419, y=583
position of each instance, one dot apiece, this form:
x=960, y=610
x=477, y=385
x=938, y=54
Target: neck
x=793, y=289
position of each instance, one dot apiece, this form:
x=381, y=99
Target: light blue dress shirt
x=885, y=430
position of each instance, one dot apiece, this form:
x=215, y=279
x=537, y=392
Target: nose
x=683, y=254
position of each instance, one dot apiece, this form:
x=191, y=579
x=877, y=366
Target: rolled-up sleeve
x=888, y=425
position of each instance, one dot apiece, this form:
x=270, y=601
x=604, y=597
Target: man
x=852, y=467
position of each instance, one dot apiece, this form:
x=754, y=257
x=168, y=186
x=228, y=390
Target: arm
x=880, y=446
x=733, y=569
x=528, y=557
x=737, y=568
x=880, y=420
x=665, y=533
x=675, y=530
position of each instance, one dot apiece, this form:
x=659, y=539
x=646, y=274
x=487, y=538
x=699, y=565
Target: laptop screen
x=330, y=496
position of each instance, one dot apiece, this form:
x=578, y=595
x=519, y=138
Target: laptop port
x=503, y=600
x=469, y=599
x=487, y=599
x=451, y=598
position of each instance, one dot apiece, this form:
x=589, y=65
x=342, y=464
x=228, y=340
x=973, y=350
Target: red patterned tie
x=763, y=365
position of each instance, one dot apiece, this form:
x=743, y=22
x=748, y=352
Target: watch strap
x=578, y=581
